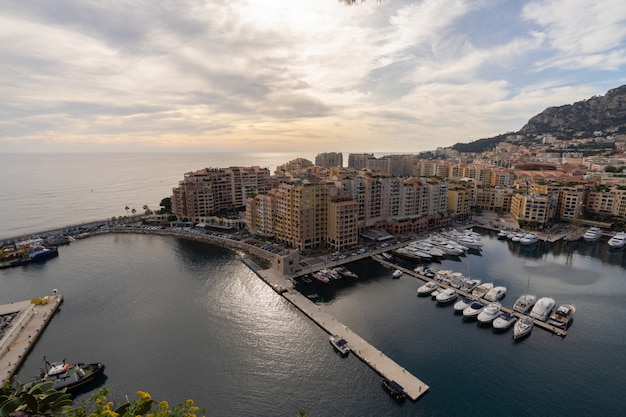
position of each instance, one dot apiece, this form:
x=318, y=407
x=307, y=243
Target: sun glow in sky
x=297, y=75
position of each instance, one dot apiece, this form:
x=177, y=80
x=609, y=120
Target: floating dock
x=376, y=359
x=22, y=324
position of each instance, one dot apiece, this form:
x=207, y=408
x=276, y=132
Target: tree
x=133, y=211
x=147, y=210
x=126, y=208
x=166, y=205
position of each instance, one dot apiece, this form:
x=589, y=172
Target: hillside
x=598, y=113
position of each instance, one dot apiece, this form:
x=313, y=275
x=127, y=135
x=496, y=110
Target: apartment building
x=342, y=223
x=329, y=159
x=531, y=208
x=205, y=192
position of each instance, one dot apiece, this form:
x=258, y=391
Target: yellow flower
x=163, y=405
x=143, y=396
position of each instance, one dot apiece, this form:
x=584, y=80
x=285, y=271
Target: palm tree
x=133, y=211
x=147, y=209
x=126, y=208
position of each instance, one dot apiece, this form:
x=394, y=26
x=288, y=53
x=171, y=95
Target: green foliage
x=34, y=399
x=166, y=205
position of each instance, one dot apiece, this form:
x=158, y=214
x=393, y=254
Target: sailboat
x=524, y=326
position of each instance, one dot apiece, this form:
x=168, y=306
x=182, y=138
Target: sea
x=182, y=320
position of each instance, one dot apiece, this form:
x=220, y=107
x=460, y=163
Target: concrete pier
x=376, y=359
x=20, y=334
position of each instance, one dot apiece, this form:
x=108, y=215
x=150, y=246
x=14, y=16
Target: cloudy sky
x=295, y=75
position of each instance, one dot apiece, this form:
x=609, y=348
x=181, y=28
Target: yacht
x=470, y=242
x=424, y=270
x=503, y=234
x=462, y=304
x=562, y=316
x=489, y=314
x=473, y=310
x=543, y=308
x=618, y=240
x=524, y=303
x=518, y=237
x=495, y=294
x=426, y=289
x=503, y=322
x=470, y=285
x=592, y=234
x=482, y=289
x=457, y=280
x=345, y=272
x=523, y=327
x=446, y=296
x=529, y=239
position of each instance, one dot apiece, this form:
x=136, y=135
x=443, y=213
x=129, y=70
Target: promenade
x=22, y=324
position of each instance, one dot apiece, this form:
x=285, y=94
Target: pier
x=538, y=323
x=24, y=324
x=375, y=358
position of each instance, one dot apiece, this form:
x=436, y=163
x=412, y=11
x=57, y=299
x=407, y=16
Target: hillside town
x=539, y=184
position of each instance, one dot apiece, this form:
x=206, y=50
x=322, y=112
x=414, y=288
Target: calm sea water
x=181, y=319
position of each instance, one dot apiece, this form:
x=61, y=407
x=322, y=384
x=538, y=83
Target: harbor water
x=182, y=319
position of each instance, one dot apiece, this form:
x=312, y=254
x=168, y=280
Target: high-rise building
x=329, y=159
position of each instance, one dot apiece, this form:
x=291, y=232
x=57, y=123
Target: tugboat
x=70, y=377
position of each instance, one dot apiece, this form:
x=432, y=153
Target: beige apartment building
x=531, y=208
x=205, y=192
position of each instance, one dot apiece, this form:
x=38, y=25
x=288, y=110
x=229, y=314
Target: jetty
x=375, y=358
x=21, y=325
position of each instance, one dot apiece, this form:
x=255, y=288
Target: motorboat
x=470, y=242
x=543, y=308
x=345, y=272
x=462, y=304
x=618, y=240
x=457, y=280
x=482, y=289
x=503, y=322
x=396, y=274
x=321, y=277
x=529, y=239
x=518, y=237
x=340, y=345
x=503, y=234
x=488, y=314
x=443, y=276
x=470, y=285
x=473, y=310
x=524, y=303
x=426, y=289
x=394, y=389
x=446, y=296
x=562, y=316
x=426, y=271
x=523, y=327
x=68, y=376
x=495, y=294
x=592, y=234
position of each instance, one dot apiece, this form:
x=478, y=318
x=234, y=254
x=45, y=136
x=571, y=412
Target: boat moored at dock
x=340, y=345
x=543, y=308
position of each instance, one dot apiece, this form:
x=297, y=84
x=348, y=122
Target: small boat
x=426, y=271
x=519, y=236
x=396, y=274
x=543, y=308
x=503, y=234
x=482, y=289
x=426, y=289
x=524, y=303
x=345, y=272
x=592, y=234
x=461, y=305
x=495, y=294
x=618, y=240
x=394, y=389
x=474, y=309
x=562, y=316
x=489, y=314
x=503, y=322
x=446, y=296
x=71, y=377
x=573, y=236
x=306, y=279
x=529, y=239
x=523, y=327
x=340, y=345
x=386, y=256
x=319, y=276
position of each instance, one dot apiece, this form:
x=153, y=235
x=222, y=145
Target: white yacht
x=503, y=234
x=543, y=308
x=457, y=280
x=482, y=289
x=529, y=239
x=489, y=314
x=523, y=327
x=495, y=294
x=446, y=296
x=562, y=316
x=524, y=303
x=473, y=310
x=396, y=274
x=426, y=289
x=592, y=234
x=618, y=240
x=519, y=236
x=470, y=285
x=462, y=304
x=503, y=322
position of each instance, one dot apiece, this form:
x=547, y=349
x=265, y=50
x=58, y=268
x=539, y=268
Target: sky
x=295, y=75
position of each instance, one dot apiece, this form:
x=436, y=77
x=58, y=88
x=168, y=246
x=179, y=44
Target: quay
x=22, y=324
x=542, y=324
x=376, y=359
